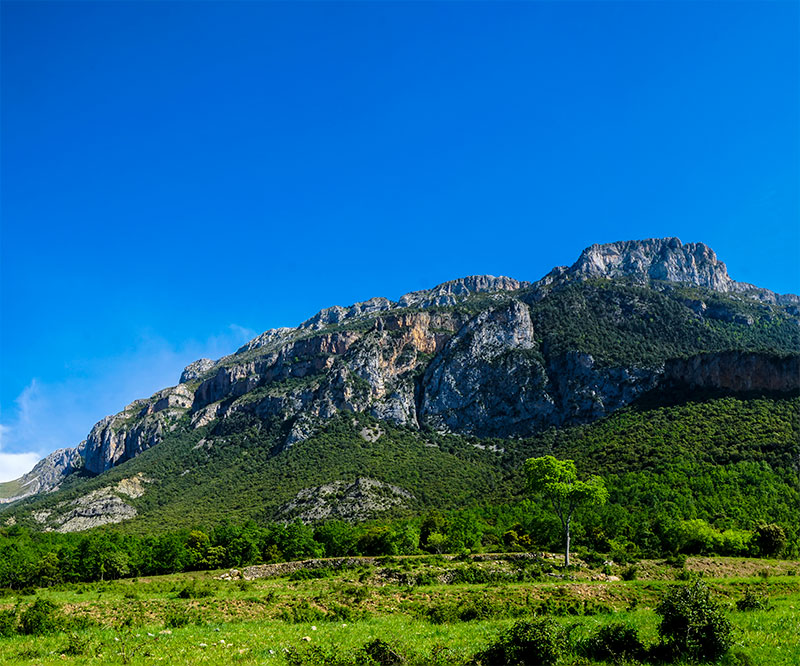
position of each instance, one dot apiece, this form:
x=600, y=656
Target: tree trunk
x=566, y=554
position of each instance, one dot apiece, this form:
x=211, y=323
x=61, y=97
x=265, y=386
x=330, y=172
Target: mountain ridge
x=470, y=356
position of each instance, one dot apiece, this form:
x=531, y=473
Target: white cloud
x=14, y=465
x=52, y=415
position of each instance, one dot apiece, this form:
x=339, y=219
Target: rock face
x=655, y=259
x=735, y=371
x=104, y=506
x=358, y=501
x=139, y=426
x=196, y=369
x=463, y=357
x=450, y=293
x=492, y=380
x=664, y=259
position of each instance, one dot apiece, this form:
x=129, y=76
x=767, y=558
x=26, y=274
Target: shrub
x=678, y=560
x=8, y=622
x=751, y=602
x=177, y=617
x=192, y=591
x=770, y=538
x=537, y=643
x=301, y=613
x=311, y=574
x=41, y=617
x=693, y=624
x=77, y=646
x=615, y=642
x=629, y=573
x=382, y=653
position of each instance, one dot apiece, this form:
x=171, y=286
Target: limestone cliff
x=464, y=356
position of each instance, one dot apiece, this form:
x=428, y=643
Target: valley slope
x=434, y=400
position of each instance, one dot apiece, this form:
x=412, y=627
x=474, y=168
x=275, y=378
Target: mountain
x=424, y=401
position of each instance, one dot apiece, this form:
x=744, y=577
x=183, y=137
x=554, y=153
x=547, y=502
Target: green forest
x=711, y=475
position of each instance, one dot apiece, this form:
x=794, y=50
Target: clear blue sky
x=179, y=176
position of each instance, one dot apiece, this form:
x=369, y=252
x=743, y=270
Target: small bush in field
x=693, y=624
x=8, y=622
x=77, y=645
x=383, y=654
x=177, y=617
x=41, y=617
x=752, y=602
x=615, y=642
x=541, y=642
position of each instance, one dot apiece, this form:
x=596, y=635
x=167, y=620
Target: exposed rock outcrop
x=139, y=426
x=196, y=369
x=358, y=501
x=476, y=368
x=492, y=380
x=736, y=372
x=665, y=259
x=454, y=291
x=655, y=259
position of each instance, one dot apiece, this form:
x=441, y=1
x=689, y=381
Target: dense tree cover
x=708, y=475
x=620, y=530
x=622, y=323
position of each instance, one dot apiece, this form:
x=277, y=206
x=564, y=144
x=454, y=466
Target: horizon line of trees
x=36, y=559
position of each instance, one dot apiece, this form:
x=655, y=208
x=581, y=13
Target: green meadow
x=395, y=610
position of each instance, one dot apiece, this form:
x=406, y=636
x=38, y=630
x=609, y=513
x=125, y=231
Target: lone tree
x=558, y=481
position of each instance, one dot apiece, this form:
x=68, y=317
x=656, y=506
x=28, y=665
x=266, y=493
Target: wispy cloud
x=53, y=415
x=14, y=465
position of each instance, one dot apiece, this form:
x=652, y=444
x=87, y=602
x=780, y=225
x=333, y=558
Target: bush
x=770, y=539
x=752, y=602
x=615, y=642
x=538, y=643
x=301, y=613
x=678, y=560
x=192, y=591
x=77, y=646
x=8, y=622
x=41, y=617
x=177, y=617
x=692, y=624
x=629, y=573
x=382, y=653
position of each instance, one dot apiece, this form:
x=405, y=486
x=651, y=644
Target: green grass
x=10, y=488
x=240, y=622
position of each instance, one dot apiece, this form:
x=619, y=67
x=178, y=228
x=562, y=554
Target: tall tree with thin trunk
x=558, y=481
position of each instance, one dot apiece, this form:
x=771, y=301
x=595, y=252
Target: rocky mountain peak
x=195, y=369
x=449, y=293
x=654, y=259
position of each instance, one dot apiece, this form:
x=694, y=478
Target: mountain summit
x=482, y=356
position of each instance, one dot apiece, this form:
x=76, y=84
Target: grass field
x=326, y=616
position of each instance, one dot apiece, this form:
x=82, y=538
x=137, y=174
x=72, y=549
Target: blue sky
x=177, y=177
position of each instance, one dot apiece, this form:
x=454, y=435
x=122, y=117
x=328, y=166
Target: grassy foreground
x=321, y=616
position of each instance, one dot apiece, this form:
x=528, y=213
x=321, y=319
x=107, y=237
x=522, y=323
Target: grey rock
x=358, y=501
x=420, y=362
x=99, y=507
x=450, y=293
x=492, y=380
x=337, y=315
x=196, y=369
x=655, y=259
x=735, y=371
x=139, y=426
x=270, y=338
